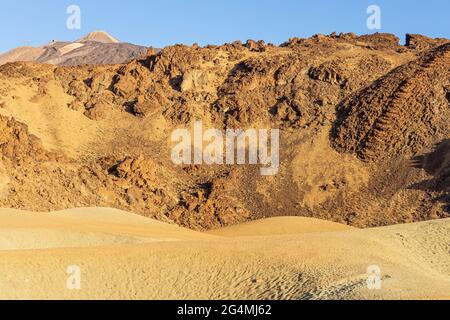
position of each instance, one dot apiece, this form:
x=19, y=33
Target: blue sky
x=161, y=23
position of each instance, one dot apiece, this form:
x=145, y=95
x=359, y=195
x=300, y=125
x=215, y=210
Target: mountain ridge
x=97, y=47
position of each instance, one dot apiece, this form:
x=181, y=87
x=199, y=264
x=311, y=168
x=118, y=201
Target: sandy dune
x=124, y=256
x=84, y=228
x=279, y=226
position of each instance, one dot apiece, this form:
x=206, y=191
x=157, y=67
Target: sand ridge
x=84, y=227
x=279, y=226
x=123, y=256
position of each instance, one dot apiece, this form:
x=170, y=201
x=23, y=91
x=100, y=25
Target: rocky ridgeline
x=401, y=113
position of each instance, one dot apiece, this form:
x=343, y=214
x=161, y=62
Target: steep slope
x=402, y=123
x=92, y=52
x=401, y=113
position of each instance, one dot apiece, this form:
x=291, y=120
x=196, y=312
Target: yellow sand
x=124, y=256
x=279, y=226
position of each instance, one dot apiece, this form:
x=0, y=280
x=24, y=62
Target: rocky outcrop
x=422, y=43
x=402, y=113
x=19, y=146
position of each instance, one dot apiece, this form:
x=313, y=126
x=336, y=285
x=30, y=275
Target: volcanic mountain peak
x=99, y=36
x=95, y=48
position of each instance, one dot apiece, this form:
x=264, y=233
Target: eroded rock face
x=329, y=72
x=354, y=112
x=18, y=146
x=402, y=113
x=194, y=80
x=422, y=43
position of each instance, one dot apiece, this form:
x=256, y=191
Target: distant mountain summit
x=99, y=36
x=97, y=47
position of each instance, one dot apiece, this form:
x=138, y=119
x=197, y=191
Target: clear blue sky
x=161, y=23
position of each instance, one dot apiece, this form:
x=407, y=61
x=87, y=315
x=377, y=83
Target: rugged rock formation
x=355, y=113
x=401, y=113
